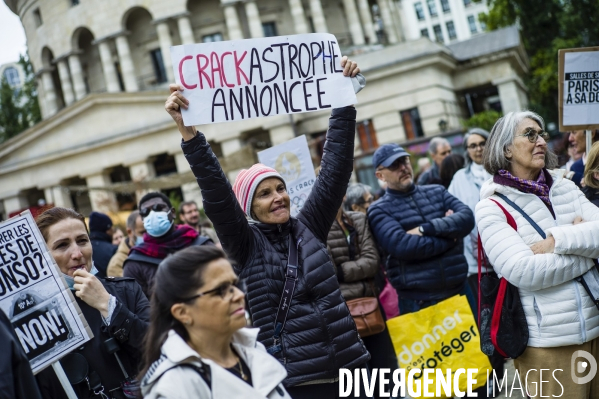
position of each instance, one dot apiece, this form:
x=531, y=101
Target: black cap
x=99, y=222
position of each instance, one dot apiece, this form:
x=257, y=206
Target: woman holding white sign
x=293, y=293
x=116, y=310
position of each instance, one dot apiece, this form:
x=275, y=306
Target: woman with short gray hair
x=358, y=197
x=547, y=254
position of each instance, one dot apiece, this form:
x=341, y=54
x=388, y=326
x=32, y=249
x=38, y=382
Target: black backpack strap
x=203, y=371
x=144, y=258
x=286, y=295
x=202, y=240
x=528, y=218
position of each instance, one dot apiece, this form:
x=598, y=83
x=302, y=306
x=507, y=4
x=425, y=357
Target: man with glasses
x=421, y=230
x=438, y=148
x=162, y=238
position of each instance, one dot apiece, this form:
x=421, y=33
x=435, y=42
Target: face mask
x=139, y=240
x=157, y=224
x=71, y=281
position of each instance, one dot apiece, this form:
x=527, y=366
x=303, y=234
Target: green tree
x=546, y=26
x=19, y=108
x=484, y=120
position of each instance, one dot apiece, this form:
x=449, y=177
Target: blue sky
x=12, y=35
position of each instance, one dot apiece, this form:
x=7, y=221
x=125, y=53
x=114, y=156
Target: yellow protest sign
x=442, y=337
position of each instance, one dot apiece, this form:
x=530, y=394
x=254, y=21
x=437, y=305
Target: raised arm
x=220, y=203
x=320, y=209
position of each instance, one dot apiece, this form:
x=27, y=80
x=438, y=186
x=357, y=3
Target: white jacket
x=558, y=310
x=165, y=379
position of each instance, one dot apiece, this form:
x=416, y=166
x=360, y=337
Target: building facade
x=103, y=68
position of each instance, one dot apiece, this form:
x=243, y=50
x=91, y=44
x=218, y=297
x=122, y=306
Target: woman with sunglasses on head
x=115, y=308
x=552, y=247
x=197, y=344
x=307, y=327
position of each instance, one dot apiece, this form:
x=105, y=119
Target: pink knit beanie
x=248, y=180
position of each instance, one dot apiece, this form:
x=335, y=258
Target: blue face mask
x=139, y=240
x=71, y=281
x=157, y=224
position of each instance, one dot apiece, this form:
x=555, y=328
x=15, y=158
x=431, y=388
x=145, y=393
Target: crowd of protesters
x=173, y=301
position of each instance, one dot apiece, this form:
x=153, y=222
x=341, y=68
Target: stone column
x=253, y=16
x=164, y=37
x=127, y=67
x=388, y=21
x=353, y=20
x=58, y=196
x=281, y=134
x=232, y=21
x=191, y=191
x=65, y=82
x=15, y=203
x=51, y=104
x=299, y=18
x=101, y=201
x=511, y=94
x=320, y=23
x=140, y=172
x=229, y=147
x=110, y=76
x=366, y=17
x=185, y=30
x=77, y=76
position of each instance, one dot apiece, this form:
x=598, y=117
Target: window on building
x=411, y=123
x=467, y=2
x=367, y=136
x=432, y=7
x=37, y=16
x=158, y=65
x=472, y=23
x=213, y=37
x=419, y=11
x=424, y=33
x=483, y=26
x=438, y=33
x=12, y=77
x=74, y=2
x=445, y=6
x=451, y=30
x=269, y=29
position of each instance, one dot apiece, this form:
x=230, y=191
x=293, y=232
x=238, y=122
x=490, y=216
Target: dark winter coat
x=142, y=268
x=428, y=267
x=431, y=176
x=16, y=378
x=320, y=336
x=357, y=262
x=592, y=195
x=103, y=251
x=128, y=326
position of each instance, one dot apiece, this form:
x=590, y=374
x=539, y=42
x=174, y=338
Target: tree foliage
x=19, y=108
x=546, y=26
x=484, y=120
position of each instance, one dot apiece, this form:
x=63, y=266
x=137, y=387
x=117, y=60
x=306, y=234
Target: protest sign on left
x=243, y=79
x=42, y=310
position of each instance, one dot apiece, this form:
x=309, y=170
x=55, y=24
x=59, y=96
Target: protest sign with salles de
x=42, y=310
x=579, y=88
x=242, y=79
x=293, y=161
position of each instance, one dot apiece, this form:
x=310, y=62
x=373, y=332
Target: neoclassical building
x=103, y=68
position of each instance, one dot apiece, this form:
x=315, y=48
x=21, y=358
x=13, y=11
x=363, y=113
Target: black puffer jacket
x=103, y=249
x=320, y=336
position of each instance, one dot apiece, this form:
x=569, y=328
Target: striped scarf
x=538, y=187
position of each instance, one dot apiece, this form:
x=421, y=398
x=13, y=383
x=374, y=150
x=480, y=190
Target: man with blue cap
x=421, y=229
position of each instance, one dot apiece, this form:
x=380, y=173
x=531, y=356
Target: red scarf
x=159, y=247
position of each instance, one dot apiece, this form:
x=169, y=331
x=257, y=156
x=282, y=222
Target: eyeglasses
x=533, y=135
x=474, y=146
x=160, y=207
x=399, y=162
x=225, y=290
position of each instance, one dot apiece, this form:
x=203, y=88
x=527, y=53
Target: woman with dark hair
x=116, y=310
x=449, y=166
x=307, y=326
x=197, y=345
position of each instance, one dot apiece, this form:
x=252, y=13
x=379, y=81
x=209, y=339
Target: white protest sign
x=293, y=161
x=243, y=79
x=43, y=312
x=579, y=88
